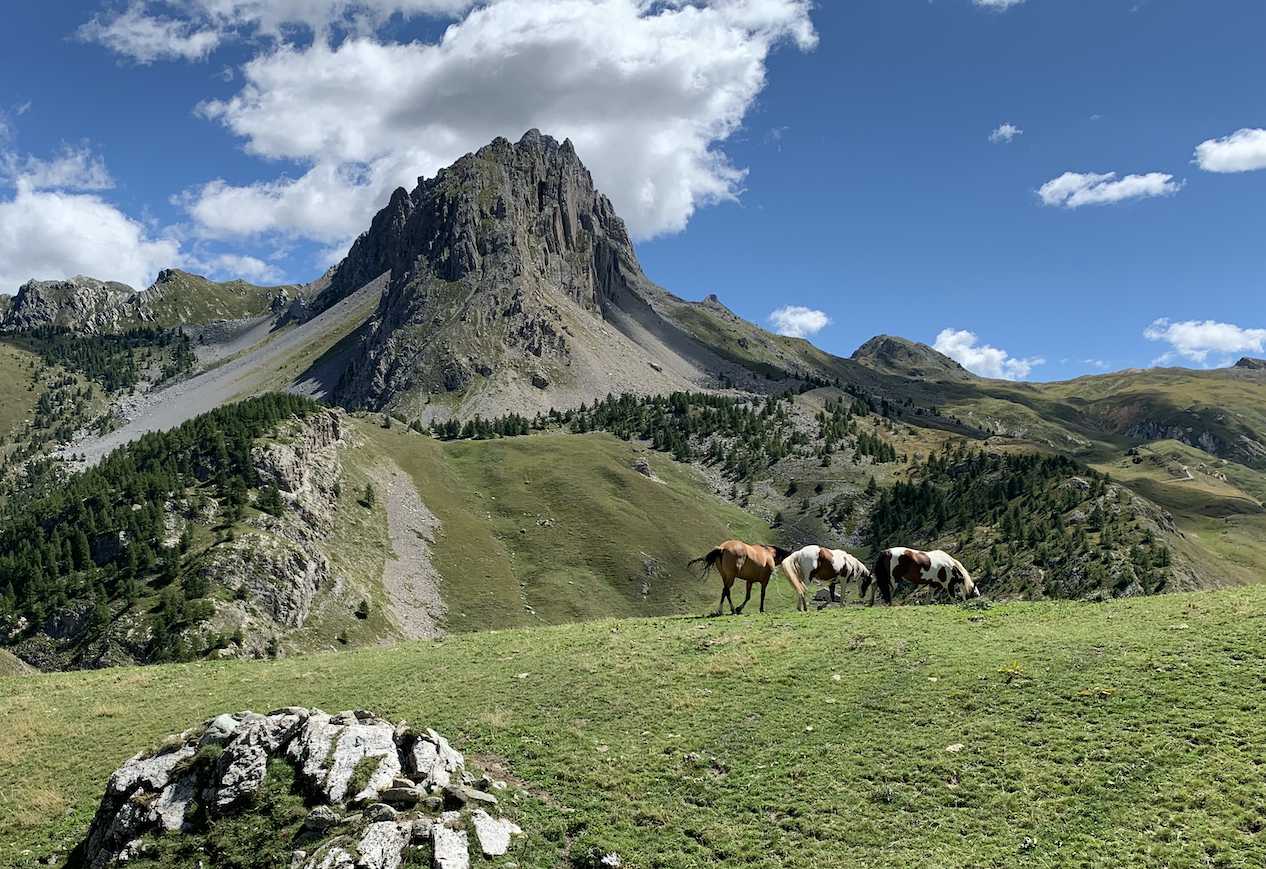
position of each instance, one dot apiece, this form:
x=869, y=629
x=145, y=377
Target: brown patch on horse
x=826, y=565
x=940, y=574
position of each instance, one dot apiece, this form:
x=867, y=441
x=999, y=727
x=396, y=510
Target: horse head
x=864, y=585
x=969, y=585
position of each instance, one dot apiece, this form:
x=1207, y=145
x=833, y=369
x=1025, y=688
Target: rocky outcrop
x=80, y=303
x=282, y=566
x=352, y=760
x=509, y=275
x=176, y=297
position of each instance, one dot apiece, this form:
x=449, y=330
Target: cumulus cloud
x=51, y=234
x=798, y=322
x=1073, y=190
x=51, y=229
x=72, y=169
x=145, y=30
x=1196, y=340
x=1242, y=151
x=227, y=266
x=1005, y=134
x=987, y=361
x=1000, y=5
x=146, y=38
x=645, y=90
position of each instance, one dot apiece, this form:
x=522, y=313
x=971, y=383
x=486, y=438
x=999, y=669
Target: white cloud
x=645, y=90
x=145, y=35
x=50, y=231
x=1195, y=340
x=1073, y=190
x=987, y=361
x=73, y=169
x=797, y=322
x=1000, y=5
x=146, y=39
x=52, y=235
x=1242, y=151
x=1005, y=134
x=227, y=266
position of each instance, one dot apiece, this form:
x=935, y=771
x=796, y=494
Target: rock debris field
x=374, y=789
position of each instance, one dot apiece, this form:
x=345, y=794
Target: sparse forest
x=101, y=536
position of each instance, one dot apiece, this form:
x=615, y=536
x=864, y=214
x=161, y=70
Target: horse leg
x=762, y=596
x=749, y=597
x=725, y=592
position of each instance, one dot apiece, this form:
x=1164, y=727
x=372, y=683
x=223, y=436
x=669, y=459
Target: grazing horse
x=917, y=568
x=734, y=559
x=817, y=562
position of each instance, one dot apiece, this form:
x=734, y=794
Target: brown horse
x=916, y=567
x=734, y=559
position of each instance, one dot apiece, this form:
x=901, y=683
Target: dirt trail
x=412, y=582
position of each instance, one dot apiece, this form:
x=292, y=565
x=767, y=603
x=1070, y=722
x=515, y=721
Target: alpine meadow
x=483, y=549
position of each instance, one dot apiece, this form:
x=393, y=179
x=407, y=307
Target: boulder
x=382, y=845
x=493, y=833
x=328, y=754
x=450, y=848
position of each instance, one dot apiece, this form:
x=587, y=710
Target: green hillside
x=180, y=297
x=1121, y=734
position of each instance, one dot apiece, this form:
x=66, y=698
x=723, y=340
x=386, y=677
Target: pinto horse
x=817, y=562
x=733, y=560
x=916, y=567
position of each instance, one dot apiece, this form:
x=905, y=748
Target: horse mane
x=780, y=554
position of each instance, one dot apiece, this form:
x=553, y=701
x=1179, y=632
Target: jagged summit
x=509, y=274
x=78, y=303
x=175, y=298
x=1248, y=363
x=904, y=358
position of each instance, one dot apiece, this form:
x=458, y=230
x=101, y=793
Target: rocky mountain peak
x=510, y=272
x=526, y=207
x=78, y=303
x=1248, y=363
x=898, y=356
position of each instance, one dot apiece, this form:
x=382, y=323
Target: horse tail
x=709, y=560
x=793, y=568
x=882, y=575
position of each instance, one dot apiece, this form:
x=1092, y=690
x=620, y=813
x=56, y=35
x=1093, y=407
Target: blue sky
x=1042, y=188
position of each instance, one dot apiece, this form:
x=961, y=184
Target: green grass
x=564, y=525
x=1097, y=735
x=191, y=298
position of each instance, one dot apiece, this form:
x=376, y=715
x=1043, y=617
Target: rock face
x=282, y=566
x=214, y=770
x=78, y=303
x=509, y=274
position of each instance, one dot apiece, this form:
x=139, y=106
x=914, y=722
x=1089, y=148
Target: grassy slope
x=17, y=403
x=498, y=559
x=189, y=298
x=1122, y=734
